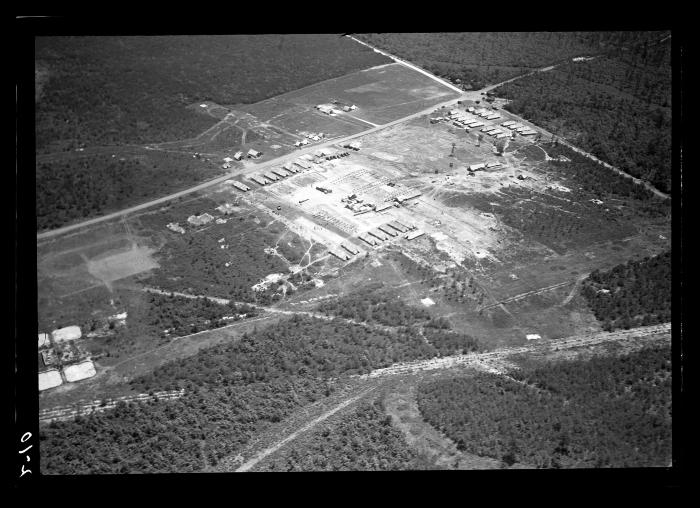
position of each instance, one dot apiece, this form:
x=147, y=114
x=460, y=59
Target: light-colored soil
x=402, y=406
x=111, y=267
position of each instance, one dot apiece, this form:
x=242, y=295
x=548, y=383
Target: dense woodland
x=617, y=107
x=604, y=412
x=113, y=90
x=299, y=346
x=636, y=293
x=183, y=435
x=175, y=316
x=81, y=187
x=364, y=440
x=232, y=390
x=373, y=306
x=449, y=342
x=475, y=59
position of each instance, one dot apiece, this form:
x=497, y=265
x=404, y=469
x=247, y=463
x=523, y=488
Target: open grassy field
x=381, y=94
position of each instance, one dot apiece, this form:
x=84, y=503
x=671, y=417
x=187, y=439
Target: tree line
x=106, y=90
x=476, y=59
x=635, y=293
x=617, y=107
x=602, y=412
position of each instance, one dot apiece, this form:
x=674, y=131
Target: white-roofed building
x=49, y=379
x=66, y=334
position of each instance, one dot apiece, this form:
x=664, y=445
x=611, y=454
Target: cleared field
x=49, y=379
x=79, y=371
x=381, y=94
x=111, y=267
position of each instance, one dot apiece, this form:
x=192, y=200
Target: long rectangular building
x=368, y=239
x=382, y=206
x=407, y=196
x=340, y=254
x=271, y=177
x=258, y=179
x=415, y=234
x=386, y=229
x=397, y=227
x=350, y=248
x=378, y=234
x=241, y=186
x=280, y=172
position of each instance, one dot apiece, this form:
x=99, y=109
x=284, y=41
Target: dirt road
x=249, y=464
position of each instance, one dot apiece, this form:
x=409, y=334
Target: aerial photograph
x=353, y=252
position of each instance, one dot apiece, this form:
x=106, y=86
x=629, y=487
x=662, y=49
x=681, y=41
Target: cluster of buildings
x=62, y=359
x=332, y=109
x=344, y=106
x=309, y=136
x=276, y=174
x=345, y=251
x=519, y=128
x=328, y=109
x=357, y=205
x=252, y=154
x=388, y=231
x=298, y=165
x=353, y=145
x=474, y=118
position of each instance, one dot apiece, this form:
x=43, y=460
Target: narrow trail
x=526, y=294
x=251, y=463
x=571, y=294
